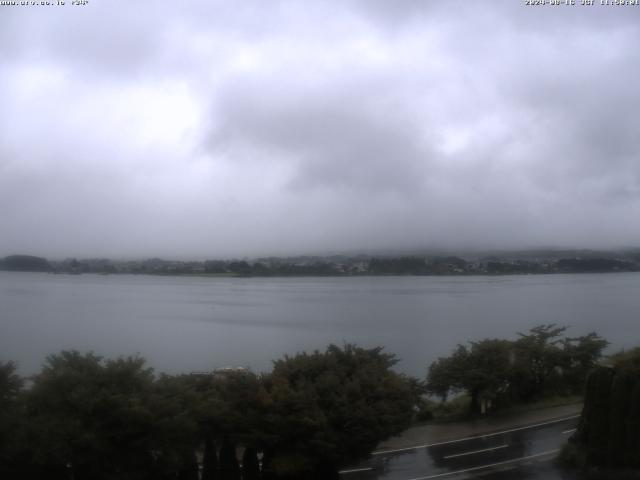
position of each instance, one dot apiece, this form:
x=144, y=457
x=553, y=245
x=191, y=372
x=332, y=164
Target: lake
x=183, y=324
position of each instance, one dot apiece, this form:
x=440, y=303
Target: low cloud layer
x=210, y=129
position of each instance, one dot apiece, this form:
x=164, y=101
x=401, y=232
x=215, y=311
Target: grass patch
x=549, y=402
x=458, y=408
x=455, y=409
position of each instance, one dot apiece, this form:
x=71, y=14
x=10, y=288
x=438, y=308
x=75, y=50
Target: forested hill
x=25, y=263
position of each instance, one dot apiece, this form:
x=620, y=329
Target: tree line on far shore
x=86, y=417
x=333, y=266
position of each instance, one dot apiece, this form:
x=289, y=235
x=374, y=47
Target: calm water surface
x=182, y=324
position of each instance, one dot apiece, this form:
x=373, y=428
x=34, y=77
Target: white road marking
x=506, y=462
x=474, y=437
x=571, y=430
x=354, y=470
x=476, y=451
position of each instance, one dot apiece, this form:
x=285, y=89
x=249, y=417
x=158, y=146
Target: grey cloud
x=207, y=128
x=122, y=39
x=341, y=140
x=98, y=40
x=581, y=113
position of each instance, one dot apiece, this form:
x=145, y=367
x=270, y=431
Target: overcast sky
x=210, y=129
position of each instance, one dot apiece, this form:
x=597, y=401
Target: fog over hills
x=213, y=130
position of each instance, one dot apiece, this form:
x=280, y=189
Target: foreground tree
x=538, y=356
x=581, y=355
x=481, y=370
x=91, y=418
x=78, y=411
x=95, y=419
x=330, y=407
x=12, y=422
x=609, y=431
x=496, y=372
x=546, y=363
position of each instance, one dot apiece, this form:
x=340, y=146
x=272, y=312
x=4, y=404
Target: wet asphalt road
x=525, y=452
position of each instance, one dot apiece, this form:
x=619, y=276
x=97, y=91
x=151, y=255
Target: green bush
x=457, y=407
x=424, y=415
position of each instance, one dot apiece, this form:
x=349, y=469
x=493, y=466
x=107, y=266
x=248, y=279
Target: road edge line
x=505, y=462
x=473, y=437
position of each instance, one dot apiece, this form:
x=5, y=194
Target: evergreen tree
x=332, y=407
x=621, y=390
x=609, y=431
x=12, y=423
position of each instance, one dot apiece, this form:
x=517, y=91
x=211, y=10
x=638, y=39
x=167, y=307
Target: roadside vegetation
x=494, y=374
x=86, y=417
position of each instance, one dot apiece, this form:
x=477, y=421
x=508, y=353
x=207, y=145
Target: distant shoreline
x=336, y=275
x=526, y=263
